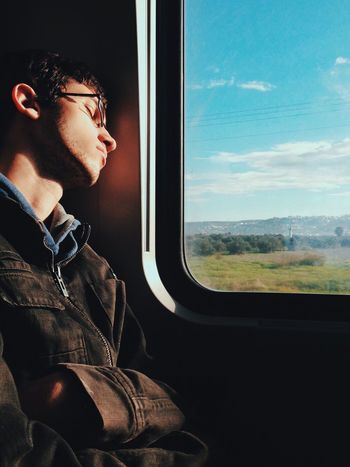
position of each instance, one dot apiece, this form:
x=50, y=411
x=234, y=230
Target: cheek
x=79, y=136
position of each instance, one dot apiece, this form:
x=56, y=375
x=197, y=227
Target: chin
x=90, y=181
x=83, y=179
x=89, y=174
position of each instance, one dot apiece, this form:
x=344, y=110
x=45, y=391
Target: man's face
x=76, y=147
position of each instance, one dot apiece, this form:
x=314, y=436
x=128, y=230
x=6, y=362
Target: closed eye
x=92, y=112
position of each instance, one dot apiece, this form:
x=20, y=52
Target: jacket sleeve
x=28, y=443
x=24, y=442
x=130, y=408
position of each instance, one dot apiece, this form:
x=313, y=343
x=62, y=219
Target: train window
x=243, y=117
x=267, y=146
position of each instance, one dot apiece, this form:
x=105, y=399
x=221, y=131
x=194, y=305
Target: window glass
x=267, y=144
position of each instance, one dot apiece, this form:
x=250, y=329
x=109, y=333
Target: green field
x=316, y=271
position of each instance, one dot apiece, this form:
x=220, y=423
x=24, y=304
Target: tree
x=203, y=247
x=339, y=231
x=237, y=246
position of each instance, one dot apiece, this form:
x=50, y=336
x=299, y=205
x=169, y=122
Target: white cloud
x=342, y=61
x=343, y=194
x=260, y=86
x=195, y=87
x=343, y=89
x=337, y=78
x=304, y=165
x=256, y=86
x=213, y=83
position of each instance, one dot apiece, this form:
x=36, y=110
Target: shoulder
x=95, y=264
x=6, y=246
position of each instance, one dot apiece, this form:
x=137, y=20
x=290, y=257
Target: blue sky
x=267, y=109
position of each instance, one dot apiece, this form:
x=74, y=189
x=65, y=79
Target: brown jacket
x=73, y=317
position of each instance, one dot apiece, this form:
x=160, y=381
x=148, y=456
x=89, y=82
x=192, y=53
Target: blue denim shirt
x=60, y=238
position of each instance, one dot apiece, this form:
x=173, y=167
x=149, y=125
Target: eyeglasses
x=101, y=120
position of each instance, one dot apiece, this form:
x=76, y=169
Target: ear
x=25, y=100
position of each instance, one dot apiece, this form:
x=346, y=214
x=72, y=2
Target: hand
x=58, y=400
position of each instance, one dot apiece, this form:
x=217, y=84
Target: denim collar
x=60, y=238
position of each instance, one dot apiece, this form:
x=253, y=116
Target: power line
x=267, y=134
x=267, y=110
x=275, y=115
x=234, y=122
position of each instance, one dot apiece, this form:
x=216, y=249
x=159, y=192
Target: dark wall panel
x=104, y=35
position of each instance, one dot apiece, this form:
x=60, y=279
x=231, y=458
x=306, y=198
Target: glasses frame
x=100, y=105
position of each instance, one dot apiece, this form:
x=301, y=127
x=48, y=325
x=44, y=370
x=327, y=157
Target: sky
x=267, y=109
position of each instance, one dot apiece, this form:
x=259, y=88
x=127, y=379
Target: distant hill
x=312, y=225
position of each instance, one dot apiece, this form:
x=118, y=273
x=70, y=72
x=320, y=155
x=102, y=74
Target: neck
x=17, y=163
x=41, y=193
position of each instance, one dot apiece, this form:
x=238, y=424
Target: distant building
x=291, y=242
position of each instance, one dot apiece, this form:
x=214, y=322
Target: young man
x=64, y=400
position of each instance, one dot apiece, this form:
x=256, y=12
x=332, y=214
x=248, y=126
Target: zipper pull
x=60, y=281
x=113, y=273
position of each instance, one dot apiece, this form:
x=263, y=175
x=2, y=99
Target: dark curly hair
x=46, y=72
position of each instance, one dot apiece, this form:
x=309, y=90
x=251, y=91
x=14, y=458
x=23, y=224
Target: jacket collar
x=28, y=235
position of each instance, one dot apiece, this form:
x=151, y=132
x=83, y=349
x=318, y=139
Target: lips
x=104, y=160
x=103, y=150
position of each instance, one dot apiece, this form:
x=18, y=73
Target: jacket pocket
x=19, y=286
x=39, y=331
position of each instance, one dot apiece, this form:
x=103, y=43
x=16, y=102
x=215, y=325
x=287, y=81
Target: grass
x=325, y=271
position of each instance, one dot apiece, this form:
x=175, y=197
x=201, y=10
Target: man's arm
x=28, y=443
x=24, y=442
x=58, y=400
x=98, y=405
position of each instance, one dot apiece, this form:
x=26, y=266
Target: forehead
x=74, y=86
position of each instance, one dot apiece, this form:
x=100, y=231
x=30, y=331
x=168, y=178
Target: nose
x=107, y=140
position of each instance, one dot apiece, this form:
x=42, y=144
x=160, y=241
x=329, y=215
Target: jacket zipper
x=56, y=268
x=62, y=287
x=59, y=280
x=56, y=271
x=104, y=340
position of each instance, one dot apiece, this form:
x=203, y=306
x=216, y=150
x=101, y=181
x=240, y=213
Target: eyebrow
x=101, y=97
x=83, y=94
x=87, y=94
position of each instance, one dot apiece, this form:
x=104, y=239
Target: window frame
x=161, y=78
